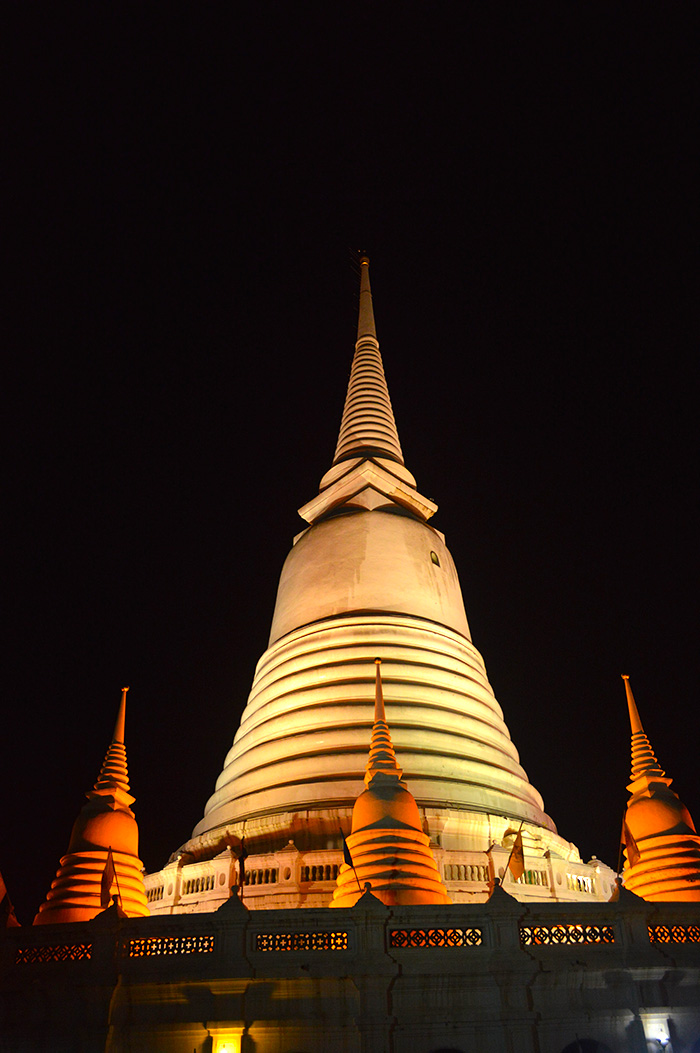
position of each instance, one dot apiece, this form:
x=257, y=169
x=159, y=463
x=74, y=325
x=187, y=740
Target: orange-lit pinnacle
x=105, y=825
x=643, y=759
x=668, y=867
x=382, y=759
x=389, y=850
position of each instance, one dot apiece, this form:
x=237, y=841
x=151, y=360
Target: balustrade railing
x=552, y=929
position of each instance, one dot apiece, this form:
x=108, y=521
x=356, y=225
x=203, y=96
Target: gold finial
x=118, y=735
x=635, y=721
x=379, y=713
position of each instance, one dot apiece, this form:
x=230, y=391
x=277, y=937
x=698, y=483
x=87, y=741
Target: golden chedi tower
x=390, y=853
x=102, y=860
x=370, y=575
x=666, y=863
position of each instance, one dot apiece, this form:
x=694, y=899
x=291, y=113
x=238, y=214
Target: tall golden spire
x=389, y=850
x=368, y=470
x=368, y=427
x=104, y=841
x=668, y=867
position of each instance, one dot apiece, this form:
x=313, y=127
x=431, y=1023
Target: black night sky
x=184, y=203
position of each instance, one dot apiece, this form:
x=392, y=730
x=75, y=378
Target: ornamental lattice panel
x=435, y=938
x=674, y=933
x=301, y=941
x=158, y=946
x=563, y=935
x=67, y=952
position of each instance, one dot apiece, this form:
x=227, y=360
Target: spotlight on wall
x=228, y=1041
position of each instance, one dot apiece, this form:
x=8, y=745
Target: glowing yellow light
x=228, y=1041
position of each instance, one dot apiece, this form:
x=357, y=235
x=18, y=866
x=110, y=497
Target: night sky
x=184, y=205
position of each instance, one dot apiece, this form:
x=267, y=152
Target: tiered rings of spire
x=665, y=863
x=370, y=575
x=368, y=419
x=102, y=862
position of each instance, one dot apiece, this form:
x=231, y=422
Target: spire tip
x=118, y=735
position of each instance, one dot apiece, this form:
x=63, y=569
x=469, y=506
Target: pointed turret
x=102, y=859
x=668, y=867
x=381, y=762
x=389, y=850
x=643, y=760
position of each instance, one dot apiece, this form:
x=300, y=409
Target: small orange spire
x=665, y=851
x=381, y=762
x=104, y=835
x=389, y=850
x=643, y=758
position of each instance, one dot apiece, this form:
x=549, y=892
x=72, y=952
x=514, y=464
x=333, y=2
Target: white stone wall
x=297, y=879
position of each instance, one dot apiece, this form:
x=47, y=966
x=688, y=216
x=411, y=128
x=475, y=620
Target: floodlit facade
x=369, y=577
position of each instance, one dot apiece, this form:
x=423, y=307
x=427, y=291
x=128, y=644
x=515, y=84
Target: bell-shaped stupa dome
x=102, y=860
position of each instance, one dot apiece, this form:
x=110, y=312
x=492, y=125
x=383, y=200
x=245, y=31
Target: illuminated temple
x=369, y=576
x=374, y=872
